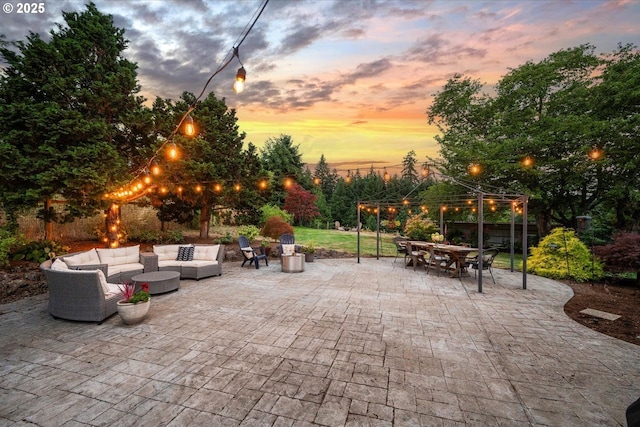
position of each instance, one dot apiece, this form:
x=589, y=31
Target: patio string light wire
x=133, y=190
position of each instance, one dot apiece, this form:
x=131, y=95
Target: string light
x=189, y=127
x=241, y=76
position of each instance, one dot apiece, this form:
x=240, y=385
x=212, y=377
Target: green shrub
x=226, y=239
x=249, y=231
x=39, y=251
x=8, y=241
x=419, y=227
x=561, y=255
x=269, y=210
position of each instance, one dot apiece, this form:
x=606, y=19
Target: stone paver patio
x=372, y=344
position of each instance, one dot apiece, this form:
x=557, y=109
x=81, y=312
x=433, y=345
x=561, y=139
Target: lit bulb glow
x=241, y=76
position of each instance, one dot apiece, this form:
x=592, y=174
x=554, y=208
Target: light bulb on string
x=188, y=126
x=241, y=76
x=173, y=151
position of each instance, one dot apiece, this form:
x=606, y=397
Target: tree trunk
x=543, y=223
x=205, y=218
x=112, y=223
x=48, y=224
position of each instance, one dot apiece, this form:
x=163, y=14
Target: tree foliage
x=198, y=177
x=555, y=112
x=301, y=204
x=283, y=159
x=68, y=115
x=327, y=179
x=622, y=255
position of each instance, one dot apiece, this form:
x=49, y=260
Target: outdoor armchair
x=288, y=245
x=253, y=255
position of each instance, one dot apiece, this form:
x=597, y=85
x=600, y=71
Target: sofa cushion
x=288, y=249
x=166, y=252
x=185, y=253
x=59, y=264
x=115, y=269
x=88, y=257
x=194, y=263
x=117, y=256
x=103, y=282
x=206, y=253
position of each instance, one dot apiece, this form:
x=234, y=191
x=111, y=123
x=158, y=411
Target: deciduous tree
x=301, y=204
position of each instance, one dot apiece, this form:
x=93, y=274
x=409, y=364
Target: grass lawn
x=346, y=241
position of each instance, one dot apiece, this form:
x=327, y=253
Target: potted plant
x=266, y=247
x=308, y=251
x=133, y=306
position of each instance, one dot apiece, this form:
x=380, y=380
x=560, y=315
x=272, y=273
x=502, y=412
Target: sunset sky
x=348, y=79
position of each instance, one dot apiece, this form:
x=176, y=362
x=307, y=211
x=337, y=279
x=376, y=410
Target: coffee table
x=159, y=281
x=292, y=263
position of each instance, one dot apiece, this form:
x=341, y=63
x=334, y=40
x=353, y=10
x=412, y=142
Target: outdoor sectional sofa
x=194, y=262
x=83, y=295
x=119, y=265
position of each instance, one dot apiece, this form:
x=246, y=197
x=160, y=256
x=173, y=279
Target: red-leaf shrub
x=302, y=204
x=621, y=255
x=274, y=227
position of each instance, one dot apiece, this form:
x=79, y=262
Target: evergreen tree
x=198, y=176
x=409, y=171
x=327, y=179
x=280, y=157
x=69, y=116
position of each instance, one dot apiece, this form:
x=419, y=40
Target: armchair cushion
x=248, y=252
x=288, y=249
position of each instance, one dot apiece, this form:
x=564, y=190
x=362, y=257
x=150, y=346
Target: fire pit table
x=292, y=263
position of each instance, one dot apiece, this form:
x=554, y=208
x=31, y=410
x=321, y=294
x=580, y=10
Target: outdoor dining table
x=457, y=254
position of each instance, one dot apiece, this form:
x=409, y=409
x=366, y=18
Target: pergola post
x=512, y=234
x=525, y=229
x=378, y=231
x=442, y=219
x=358, y=228
x=480, y=238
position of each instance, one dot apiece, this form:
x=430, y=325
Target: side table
x=292, y=263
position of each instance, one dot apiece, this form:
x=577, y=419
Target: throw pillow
x=248, y=252
x=185, y=253
x=288, y=249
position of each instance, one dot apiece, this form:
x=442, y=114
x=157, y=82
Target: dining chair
x=416, y=255
x=487, y=261
x=401, y=247
x=436, y=260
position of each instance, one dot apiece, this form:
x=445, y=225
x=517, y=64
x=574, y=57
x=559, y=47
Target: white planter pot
x=133, y=313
